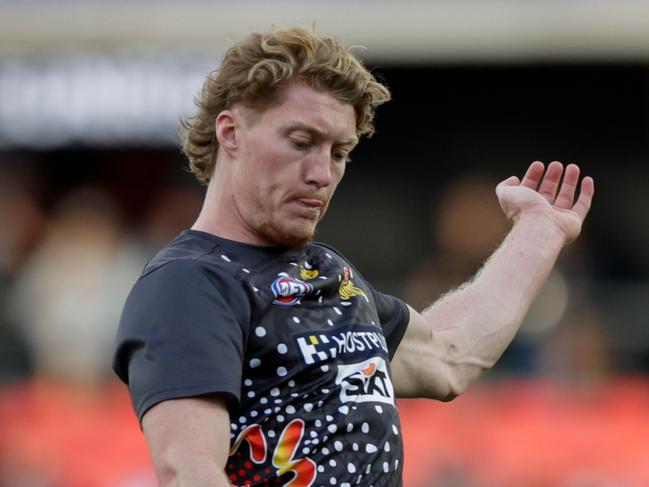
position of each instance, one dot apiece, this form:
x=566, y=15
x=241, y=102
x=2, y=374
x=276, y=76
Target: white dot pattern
x=331, y=424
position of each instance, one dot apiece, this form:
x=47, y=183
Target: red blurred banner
x=505, y=434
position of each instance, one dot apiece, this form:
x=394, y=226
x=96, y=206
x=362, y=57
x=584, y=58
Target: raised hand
x=545, y=194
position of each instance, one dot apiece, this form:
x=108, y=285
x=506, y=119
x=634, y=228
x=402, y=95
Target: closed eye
x=301, y=143
x=342, y=157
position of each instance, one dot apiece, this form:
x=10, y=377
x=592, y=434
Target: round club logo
x=288, y=290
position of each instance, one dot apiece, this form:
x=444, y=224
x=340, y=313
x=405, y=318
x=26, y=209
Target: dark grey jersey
x=298, y=342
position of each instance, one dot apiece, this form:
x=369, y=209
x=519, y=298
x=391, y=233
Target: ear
x=227, y=131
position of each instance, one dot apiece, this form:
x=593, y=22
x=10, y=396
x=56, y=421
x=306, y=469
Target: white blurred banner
x=97, y=98
x=124, y=72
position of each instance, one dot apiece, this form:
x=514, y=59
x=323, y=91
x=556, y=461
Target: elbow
x=186, y=471
x=166, y=473
x=449, y=396
x=461, y=371
x=444, y=387
x=454, y=389
x=459, y=376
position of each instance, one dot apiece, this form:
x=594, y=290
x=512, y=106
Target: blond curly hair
x=254, y=73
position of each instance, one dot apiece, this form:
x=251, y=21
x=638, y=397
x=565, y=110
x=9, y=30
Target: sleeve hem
x=401, y=331
x=185, y=392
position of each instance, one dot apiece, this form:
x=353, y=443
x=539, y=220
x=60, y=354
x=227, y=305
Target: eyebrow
x=299, y=125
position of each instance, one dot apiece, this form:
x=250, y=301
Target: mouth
x=309, y=208
x=310, y=202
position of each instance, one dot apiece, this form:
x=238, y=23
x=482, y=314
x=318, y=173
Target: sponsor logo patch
x=366, y=381
x=348, y=343
x=288, y=290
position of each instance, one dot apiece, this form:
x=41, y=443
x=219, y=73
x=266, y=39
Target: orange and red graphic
x=254, y=435
x=283, y=458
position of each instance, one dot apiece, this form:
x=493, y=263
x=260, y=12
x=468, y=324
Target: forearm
x=479, y=320
x=188, y=442
x=189, y=473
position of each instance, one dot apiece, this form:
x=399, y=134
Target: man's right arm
x=188, y=441
x=463, y=334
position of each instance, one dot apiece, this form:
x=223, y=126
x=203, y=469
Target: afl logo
x=288, y=290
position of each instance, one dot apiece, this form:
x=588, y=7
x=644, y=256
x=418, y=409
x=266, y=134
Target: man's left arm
x=451, y=343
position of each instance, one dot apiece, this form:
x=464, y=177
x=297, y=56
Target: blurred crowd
x=65, y=272
x=564, y=336
x=67, y=265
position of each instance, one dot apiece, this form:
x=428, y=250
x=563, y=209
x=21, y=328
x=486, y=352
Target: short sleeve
x=394, y=316
x=182, y=334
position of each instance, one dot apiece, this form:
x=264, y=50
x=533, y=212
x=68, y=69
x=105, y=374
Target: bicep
x=181, y=334
x=421, y=365
x=189, y=440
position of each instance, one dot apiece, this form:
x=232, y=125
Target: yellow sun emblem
x=307, y=272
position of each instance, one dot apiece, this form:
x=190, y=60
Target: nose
x=318, y=169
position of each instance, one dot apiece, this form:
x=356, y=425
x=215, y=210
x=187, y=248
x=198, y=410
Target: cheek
x=340, y=171
x=262, y=187
x=337, y=175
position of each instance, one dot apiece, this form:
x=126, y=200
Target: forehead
x=303, y=105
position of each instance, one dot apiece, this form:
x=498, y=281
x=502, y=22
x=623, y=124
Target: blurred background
x=92, y=183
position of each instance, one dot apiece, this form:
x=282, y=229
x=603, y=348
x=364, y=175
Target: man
x=250, y=350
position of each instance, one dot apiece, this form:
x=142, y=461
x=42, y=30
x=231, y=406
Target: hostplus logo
x=348, y=343
x=361, y=354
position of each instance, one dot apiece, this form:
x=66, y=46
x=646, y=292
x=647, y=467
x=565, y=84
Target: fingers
x=551, y=180
x=557, y=191
x=533, y=175
x=586, y=193
x=566, y=195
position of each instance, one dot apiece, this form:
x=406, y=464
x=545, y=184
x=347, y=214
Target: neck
x=207, y=220
x=218, y=215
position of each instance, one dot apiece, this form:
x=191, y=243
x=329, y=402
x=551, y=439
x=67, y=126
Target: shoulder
x=332, y=255
x=327, y=249
x=197, y=255
x=342, y=261
x=189, y=276
x=190, y=250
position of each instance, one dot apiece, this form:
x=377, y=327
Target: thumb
x=510, y=181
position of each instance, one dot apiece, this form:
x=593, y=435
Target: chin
x=287, y=235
